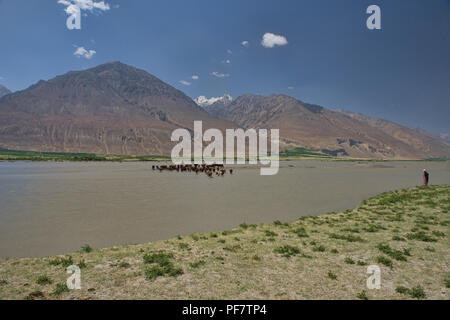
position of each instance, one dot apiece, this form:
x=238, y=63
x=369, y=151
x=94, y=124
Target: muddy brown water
x=51, y=208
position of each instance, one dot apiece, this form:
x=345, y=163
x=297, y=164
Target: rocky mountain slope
x=110, y=109
x=422, y=140
x=4, y=91
x=331, y=132
x=118, y=109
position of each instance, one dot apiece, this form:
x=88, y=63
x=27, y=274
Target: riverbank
x=405, y=232
x=19, y=155
x=287, y=155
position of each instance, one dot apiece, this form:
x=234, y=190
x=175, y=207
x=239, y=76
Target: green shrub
x=232, y=248
x=393, y=253
x=348, y=238
x=447, y=283
x=197, y=264
x=331, y=275
x=403, y=290
x=362, y=295
x=422, y=236
x=374, y=228
x=86, y=248
x=156, y=271
x=320, y=248
x=269, y=233
x=82, y=264
x=438, y=234
x=43, y=280
x=124, y=265
x=418, y=292
x=301, y=232
x=385, y=261
x=65, y=262
x=60, y=288
x=160, y=258
x=287, y=251
x=349, y=261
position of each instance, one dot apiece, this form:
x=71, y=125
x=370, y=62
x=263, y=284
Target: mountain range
x=4, y=91
x=223, y=101
x=337, y=133
x=109, y=109
x=115, y=108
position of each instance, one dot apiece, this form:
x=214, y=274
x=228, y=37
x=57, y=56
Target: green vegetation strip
x=17, y=155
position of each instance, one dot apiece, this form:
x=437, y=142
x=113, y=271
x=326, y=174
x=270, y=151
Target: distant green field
x=19, y=155
x=23, y=155
x=303, y=152
x=437, y=159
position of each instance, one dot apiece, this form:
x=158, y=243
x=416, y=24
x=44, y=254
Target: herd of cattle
x=209, y=170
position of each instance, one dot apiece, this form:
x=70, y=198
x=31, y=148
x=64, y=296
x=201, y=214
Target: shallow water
x=50, y=208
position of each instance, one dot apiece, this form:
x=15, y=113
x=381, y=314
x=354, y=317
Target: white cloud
x=220, y=75
x=90, y=5
x=204, y=101
x=271, y=40
x=245, y=43
x=86, y=4
x=226, y=61
x=195, y=77
x=291, y=88
x=82, y=52
x=229, y=51
x=184, y=82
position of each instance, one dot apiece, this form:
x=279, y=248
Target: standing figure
x=426, y=177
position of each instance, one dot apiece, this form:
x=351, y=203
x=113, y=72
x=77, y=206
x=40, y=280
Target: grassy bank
x=18, y=155
x=405, y=232
x=286, y=155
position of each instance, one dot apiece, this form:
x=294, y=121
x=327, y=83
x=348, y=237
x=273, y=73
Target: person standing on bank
x=426, y=177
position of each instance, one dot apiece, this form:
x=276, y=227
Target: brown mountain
x=118, y=109
x=336, y=133
x=421, y=140
x=110, y=109
x=4, y=91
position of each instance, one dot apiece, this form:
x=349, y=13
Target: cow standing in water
x=426, y=177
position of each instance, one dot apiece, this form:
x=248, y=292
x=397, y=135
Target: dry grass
x=324, y=257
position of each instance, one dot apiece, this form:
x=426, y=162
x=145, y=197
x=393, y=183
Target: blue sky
x=400, y=73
